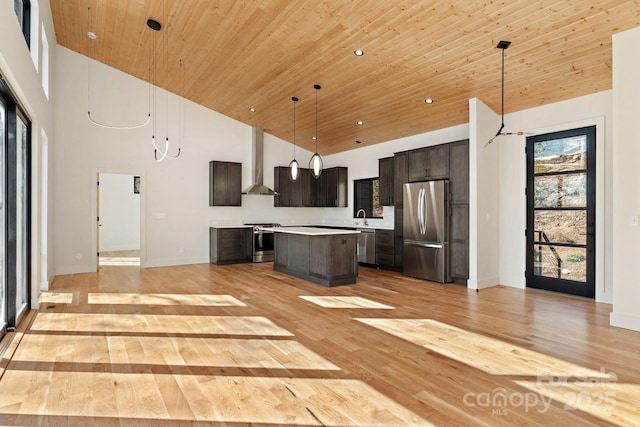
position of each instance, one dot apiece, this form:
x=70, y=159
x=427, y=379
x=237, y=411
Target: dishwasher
x=367, y=246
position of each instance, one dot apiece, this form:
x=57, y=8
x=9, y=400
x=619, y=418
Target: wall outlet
x=181, y=250
x=78, y=256
x=633, y=220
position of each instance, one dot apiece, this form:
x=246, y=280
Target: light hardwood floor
x=243, y=345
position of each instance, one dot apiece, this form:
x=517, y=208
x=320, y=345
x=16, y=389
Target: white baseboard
x=626, y=321
x=483, y=283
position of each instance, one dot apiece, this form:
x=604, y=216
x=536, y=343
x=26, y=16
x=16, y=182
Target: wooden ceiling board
x=239, y=54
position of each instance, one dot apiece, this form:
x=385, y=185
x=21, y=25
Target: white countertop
x=310, y=231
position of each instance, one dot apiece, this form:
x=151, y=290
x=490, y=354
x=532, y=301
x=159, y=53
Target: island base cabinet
x=333, y=259
x=325, y=260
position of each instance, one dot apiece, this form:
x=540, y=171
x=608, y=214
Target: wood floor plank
x=159, y=346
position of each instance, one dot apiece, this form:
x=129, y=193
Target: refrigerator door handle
x=423, y=244
x=421, y=200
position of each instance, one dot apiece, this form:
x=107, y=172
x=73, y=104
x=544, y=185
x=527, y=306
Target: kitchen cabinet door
x=385, y=248
x=289, y=192
x=336, y=183
x=225, y=183
x=400, y=176
x=385, y=176
x=459, y=171
x=429, y=163
x=230, y=245
x=459, y=242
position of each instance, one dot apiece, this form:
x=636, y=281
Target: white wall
x=588, y=110
x=484, y=182
x=24, y=74
x=119, y=213
x=626, y=180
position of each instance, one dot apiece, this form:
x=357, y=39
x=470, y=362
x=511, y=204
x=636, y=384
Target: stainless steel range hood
x=257, y=166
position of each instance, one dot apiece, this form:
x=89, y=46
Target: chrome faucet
x=364, y=216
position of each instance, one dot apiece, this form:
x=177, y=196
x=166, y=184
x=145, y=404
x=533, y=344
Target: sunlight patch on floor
x=233, y=399
x=56, y=297
x=487, y=354
x=171, y=351
x=148, y=323
x=345, y=302
x=164, y=299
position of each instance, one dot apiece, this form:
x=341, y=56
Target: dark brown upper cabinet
x=429, y=163
x=328, y=190
x=385, y=175
x=225, y=183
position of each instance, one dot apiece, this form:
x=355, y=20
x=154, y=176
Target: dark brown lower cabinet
x=459, y=243
x=385, y=248
x=230, y=245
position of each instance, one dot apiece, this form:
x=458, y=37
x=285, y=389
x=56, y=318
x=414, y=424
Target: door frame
x=565, y=285
x=604, y=277
x=95, y=173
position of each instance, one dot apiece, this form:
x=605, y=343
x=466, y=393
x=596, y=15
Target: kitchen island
x=325, y=256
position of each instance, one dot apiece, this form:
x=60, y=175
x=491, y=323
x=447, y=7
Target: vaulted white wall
x=23, y=68
x=626, y=180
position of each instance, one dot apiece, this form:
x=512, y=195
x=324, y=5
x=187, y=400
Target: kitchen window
x=366, y=196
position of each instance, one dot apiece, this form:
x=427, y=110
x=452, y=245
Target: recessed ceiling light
x=428, y=101
x=313, y=137
x=358, y=52
x=253, y=110
x=358, y=142
x=360, y=122
x=92, y=35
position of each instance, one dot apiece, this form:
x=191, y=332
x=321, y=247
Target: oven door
x=263, y=244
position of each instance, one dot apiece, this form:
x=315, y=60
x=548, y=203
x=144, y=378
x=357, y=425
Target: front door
x=561, y=211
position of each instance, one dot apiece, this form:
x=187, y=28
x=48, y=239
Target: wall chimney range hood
x=257, y=166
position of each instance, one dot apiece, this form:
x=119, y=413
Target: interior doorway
x=118, y=220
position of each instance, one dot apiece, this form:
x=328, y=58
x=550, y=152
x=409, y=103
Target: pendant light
x=92, y=37
x=160, y=154
x=315, y=163
x=294, y=167
x=503, y=44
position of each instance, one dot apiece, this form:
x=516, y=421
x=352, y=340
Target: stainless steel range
x=263, y=242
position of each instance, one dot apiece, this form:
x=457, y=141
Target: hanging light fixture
x=315, y=163
x=294, y=167
x=160, y=154
x=92, y=37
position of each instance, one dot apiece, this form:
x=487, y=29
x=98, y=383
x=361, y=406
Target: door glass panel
x=21, y=216
x=553, y=191
x=3, y=236
x=561, y=226
x=561, y=155
x=560, y=262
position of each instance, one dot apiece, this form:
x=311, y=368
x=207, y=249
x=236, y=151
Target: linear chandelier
x=164, y=152
x=92, y=37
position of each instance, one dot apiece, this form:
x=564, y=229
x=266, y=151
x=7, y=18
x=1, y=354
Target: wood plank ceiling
x=242, y=54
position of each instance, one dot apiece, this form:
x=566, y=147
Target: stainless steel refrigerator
x=426, y=230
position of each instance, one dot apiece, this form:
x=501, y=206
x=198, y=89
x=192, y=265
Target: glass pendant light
x=294, y=167
x=315, y=163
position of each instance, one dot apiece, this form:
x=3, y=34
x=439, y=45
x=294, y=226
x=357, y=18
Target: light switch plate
x=633, y=220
